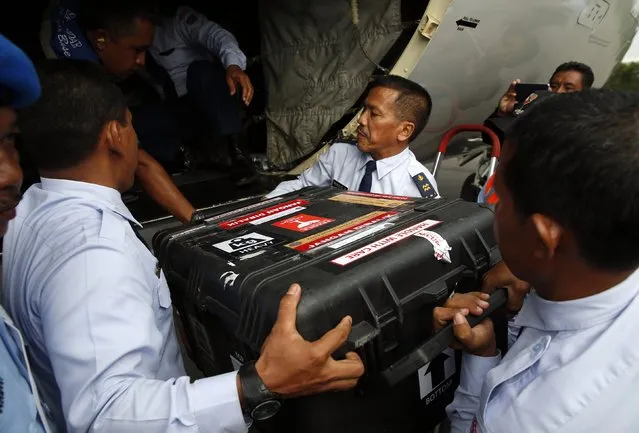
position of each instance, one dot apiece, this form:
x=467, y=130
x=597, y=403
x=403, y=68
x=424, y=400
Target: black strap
x=367, y=180
x=136, y=230
x=336, y=184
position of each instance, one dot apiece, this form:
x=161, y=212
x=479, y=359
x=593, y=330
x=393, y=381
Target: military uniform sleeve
x=463, y=409
x=101, y=337
x=195, y=29
x=320, y=174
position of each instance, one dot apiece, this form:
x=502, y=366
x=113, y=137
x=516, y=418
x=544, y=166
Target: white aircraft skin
x=466, y=52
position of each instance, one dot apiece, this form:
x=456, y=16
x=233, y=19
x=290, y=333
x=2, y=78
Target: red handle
x=443, y=144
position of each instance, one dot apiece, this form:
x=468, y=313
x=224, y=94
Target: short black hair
x=413, y=102
x=115, y=16
x=587, y=76
x=63, y=127
x=574, y=158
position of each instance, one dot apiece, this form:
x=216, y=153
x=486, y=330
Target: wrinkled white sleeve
x=320, y=174
x=195, y=29
x=463, y=409
x=103, y=342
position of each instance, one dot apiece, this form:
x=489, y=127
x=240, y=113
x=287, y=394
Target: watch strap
x=254, y=390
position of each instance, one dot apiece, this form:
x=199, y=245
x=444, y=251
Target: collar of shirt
x=386, y=165
x=578, y=314
x=104, y=196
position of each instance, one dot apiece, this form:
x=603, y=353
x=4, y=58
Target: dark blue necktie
x=367, y=180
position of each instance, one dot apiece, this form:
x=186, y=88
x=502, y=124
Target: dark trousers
x=209, y=95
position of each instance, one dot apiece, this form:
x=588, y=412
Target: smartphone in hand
x=524, y=90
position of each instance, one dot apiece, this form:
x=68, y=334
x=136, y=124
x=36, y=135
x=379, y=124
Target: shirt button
x=538, y=348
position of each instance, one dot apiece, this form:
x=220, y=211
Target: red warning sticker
x=266, y=215
x=302, y=222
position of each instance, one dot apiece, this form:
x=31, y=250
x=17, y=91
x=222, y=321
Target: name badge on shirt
x=424, y=186
x=336, y=184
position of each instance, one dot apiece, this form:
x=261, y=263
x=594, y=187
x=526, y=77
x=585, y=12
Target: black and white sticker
x=228, y=279
x=245, y=244
x=436, y=377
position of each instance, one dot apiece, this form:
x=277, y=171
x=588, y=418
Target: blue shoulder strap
x=424, y=186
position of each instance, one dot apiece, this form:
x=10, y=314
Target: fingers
x=231, y=83
x=498, y=276
x=462, y=329
x=287, y=314
x=336, y=385
x=475, y=302
x=340, y=385
x=245, y=92
x=341, y=375
x=352, y=356
x=466, y=303
x=479, y=340
x=236, y=77
x=247, y=89
x=334, y=338
x=443, y=315
x=346, y=369
x=511, y=93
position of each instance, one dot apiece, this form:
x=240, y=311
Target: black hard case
x=227, y=302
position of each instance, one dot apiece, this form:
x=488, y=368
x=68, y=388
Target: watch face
x=265, y=410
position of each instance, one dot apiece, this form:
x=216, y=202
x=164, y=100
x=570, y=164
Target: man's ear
x=406, y=130
x=99, y=39
x=112, y=136
x=549, y=234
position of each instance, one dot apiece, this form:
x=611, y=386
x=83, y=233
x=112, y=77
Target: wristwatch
x=260, y=403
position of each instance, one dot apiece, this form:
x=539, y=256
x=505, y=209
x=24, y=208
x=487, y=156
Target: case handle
x=437, y=344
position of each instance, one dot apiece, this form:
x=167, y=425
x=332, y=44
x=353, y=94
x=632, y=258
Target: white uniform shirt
x=573, y=369
x=344, y=165
x=190, y=36
x=20, y=407
x=96, y=315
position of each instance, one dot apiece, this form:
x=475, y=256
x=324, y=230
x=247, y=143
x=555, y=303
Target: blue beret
x=19, y=82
